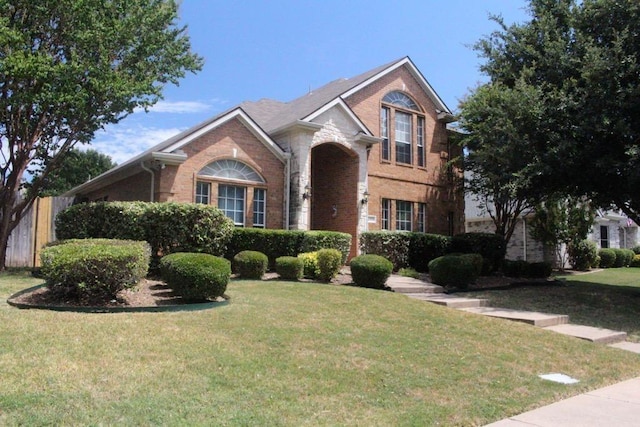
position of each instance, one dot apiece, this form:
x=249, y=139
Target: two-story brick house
x=366, y=153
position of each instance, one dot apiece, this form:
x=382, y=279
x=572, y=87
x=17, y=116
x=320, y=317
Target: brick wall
x=428, y=184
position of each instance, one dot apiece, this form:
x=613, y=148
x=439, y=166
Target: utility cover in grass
x=559, y=378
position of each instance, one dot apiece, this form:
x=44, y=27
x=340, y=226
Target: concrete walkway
x=617, y=405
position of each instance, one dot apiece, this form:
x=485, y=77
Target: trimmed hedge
x=394, y=246
x=607, y=257
x=250, y=264
x=635, y=262
x=167, y=227
x=623, y=257
x=457, y=271
x=329, y=263
x=196, y=276
x=278, y=243
x=289, y=267
x=371, y=271
x=94, y=269
x=424, y=247
x=315, y=240
x=536, y=270
x=491, y=246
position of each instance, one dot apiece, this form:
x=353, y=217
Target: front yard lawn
x=284, y=353
x=608, y=299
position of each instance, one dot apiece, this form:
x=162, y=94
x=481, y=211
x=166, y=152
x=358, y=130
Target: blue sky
x=280, y=49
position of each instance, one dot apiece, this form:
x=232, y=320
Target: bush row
x=196, y=276
x=279, y=243
x=416, y=250
x=458, y=271
x=94, y=270
x=534, y=270
x=167, y=227
x=615, y=257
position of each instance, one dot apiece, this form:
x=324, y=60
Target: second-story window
x=403, y=125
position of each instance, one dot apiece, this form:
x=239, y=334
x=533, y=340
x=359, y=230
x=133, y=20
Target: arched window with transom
x=402, y=128
x=235, y=184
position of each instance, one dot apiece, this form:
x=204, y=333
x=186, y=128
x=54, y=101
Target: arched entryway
x=334, y=179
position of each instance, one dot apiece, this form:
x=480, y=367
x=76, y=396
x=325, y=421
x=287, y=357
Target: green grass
x=289, y=354
x=607, y=299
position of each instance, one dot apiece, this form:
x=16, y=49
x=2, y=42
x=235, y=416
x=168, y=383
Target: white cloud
x=180, y=107
x=122, y=143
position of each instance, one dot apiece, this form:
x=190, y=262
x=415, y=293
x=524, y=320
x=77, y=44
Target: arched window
x=232, y=198
x=231, y=169
x=402, y=126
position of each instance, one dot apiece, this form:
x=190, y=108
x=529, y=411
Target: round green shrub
x=623, y=257
x=329, y=263
x=539, y=270
x=289, y=267
x=607, y=257
x=453, y=271
x=371, y=271
x=196, y=276
x=635, y=262
x=310, y=261
x=582, y=255
x=94, y=270
x=250, y=264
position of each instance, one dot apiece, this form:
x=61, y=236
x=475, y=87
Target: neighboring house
x=366, y=153
x=610, y=230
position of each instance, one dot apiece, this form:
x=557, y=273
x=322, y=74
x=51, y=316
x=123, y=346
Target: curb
x=99, y=309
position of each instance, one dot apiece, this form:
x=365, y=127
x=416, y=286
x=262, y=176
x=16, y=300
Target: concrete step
x=589, y=333
x=451, y=300
x=412, y=286
x=541, y=320
x=626, y=345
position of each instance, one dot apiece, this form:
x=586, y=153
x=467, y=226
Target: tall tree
x=68, y=68
x=498, y=154
x=76, y=167
x=583, y=59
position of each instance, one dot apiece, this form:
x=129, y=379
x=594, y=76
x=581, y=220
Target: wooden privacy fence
x=36, y=229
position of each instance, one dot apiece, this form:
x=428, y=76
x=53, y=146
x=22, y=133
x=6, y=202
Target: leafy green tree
x=498, y=154
x=68, y=68
x=581, y=59
x=562, y=221
x=77, y=167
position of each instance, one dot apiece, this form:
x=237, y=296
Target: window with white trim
x=259, y=207
x=231, y=201
x=385, y=214
x=404, y=215
x=203, y=192
x=402, y=121
x=422, y=217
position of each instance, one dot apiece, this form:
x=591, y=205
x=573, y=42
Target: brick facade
x=326, y=144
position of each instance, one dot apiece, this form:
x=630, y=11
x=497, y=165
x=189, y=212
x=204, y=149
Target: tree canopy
x=576, y=66
x=77, y=167
x=68, y=68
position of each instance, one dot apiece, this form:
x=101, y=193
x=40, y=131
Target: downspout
x=524, y=236
x=287, y=190
x=153, y=180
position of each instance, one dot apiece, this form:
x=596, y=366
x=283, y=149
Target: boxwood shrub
x=458, y=271
x=272, y=243
x=424, y=247
x=94, y=270
x=491, y=246
x=196, y=276
x=394, y=246
x=607, y=257
x=250, y=264
x=371, y=271
x=329, y=263
x=167, y=227
x=311, y=270
x=315, y=240
x=635, y=262
x=289, y=267
x=623, y=257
